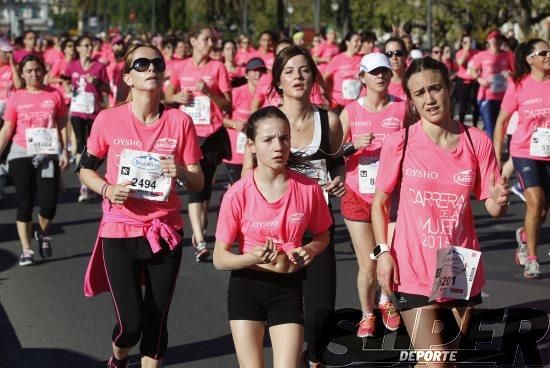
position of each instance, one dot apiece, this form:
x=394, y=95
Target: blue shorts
x=533, y=173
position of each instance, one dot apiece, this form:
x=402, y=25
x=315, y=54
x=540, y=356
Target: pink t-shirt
x=52, y=55
x=34, y=110
x=491, y=67
x=242, y=102
x=434, y=207
x=79, y=82
x=268, y=58
x=18, y=55
x=344, y=70
x=116, y=129
x=170, y=68
x=463, y=69
x=242, y=56
x=326, y=50
x=6, y=83
x=396, y=89
x=185, y=77
x=531, y=99
x=115, y=71
x=57, y=70
x=381, y=124
x=250, y=219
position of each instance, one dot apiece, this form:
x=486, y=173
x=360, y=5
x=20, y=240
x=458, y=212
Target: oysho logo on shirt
x=391, y=123
x=47, y=104
x=354, y=124
x=166, y=144
x=296, y=218
x=532, y=101
x=465, y=178
x=266, y=223
x=127, y=142
x=417, y=173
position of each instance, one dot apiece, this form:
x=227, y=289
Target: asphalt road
x=45, y=320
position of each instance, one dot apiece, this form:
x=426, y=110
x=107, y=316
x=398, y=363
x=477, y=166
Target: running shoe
x=517, y=190
x=84, y=194
x=26, y=258
x=44, y=244
x=390, y=317
x=367, y=326
x=532, y=269
x=521, y=252
x=313, y=365
x=201, y=252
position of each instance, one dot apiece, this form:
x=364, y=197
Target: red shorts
x=354, y=207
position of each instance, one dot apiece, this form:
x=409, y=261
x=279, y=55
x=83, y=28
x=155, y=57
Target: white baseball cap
x=416, y=54
x=372, y=61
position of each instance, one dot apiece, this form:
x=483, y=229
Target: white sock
x=383, y=298
x=367, y=314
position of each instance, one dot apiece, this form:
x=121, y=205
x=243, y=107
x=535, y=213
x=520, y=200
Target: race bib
x=351, y=89
x=44, y=141
x=317, y=170
x=540, y=143
x=498, y=84
x=455, y=272
x=83, y=102
x=144, y=170
x=199, y=110
x=241, y=143
x=367, y=171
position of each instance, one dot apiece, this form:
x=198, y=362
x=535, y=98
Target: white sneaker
x=532, y=270
x=84, y=194
x=516, y=189
x=520, y=255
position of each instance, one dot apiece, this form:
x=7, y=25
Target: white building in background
x=19, y=15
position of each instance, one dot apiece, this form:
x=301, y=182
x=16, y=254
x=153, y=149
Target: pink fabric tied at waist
x=287, y=247
x=156, y=229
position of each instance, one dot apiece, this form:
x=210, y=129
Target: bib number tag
x=199, y=110
x=498, y=83
x=241, y=143
x=455, y=272
x=367, y=171
x=540, y=143
x=351, y=89
x=42, y=141
x=144, y=170
x=83, y=102
x=318, y=171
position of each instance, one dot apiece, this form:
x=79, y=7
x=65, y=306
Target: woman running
x=466, y=86
x=529, y=96
x=89, y=82
x=35, y=120
x=396, y=51
x=268, y=212
x=148, y=150
x=439, y=163
x=201, y=87
x=236, y=72
x=366, y=123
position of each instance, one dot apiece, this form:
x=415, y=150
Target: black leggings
x=82, y=128
x=319, y=300
x=27, y=180
x=466, y=95
x=127, y=262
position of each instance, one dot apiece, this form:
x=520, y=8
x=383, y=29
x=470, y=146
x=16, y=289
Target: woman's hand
x=387, y=273
x=336, y=187
x=499, y=190
x=64, y=160
x=266, y=253
x=183, y=98
x=170, y=168
x=118, y=193
x=301, y=256
x=363, y=140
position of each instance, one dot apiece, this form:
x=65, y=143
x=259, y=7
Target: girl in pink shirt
x=466, y=86
x=438, y=163
x=528, y=93
x=327, y=49
x=395, y=50
x=201, y=87
x=35, y=120
x=267, y=213
x=236, y=72
x=244, y=51
x=342, y=72
x=148, y=150
x=242, y=102
x=366, y=123
x=265, y=49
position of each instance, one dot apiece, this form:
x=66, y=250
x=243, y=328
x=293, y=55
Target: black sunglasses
x=397, y=53
x=142, y=64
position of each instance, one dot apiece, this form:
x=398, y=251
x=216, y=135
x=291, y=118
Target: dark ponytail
x=522, y=68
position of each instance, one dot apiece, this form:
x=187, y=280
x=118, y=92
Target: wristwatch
x=378, y=250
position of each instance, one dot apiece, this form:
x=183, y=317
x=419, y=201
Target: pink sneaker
x=367, y=326
x=390, y=317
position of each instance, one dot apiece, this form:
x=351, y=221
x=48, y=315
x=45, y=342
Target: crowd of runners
x=391, y=132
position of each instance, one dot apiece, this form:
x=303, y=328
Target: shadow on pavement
x=7, y=260
x=14, y=355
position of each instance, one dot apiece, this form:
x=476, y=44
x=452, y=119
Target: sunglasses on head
x=543, y=53
x=142, y=64
x=397, y=53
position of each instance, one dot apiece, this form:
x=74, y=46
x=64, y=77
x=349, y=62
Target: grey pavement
x=45, y=320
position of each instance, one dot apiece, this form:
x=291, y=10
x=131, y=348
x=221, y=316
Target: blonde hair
x=129, y=58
